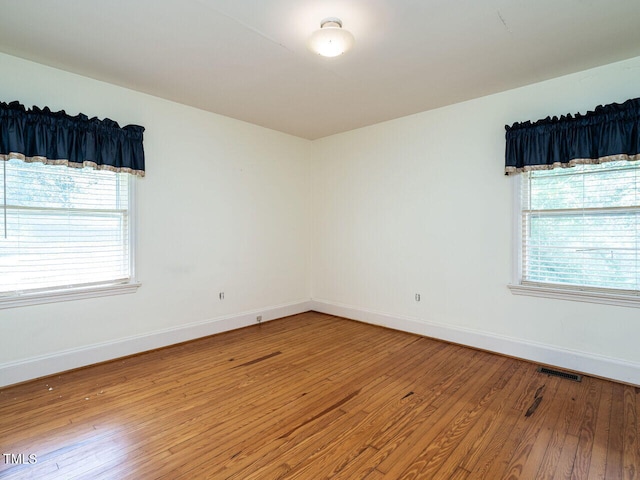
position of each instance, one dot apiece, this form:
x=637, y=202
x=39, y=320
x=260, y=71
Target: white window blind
x=581, y=227
x=62, y=227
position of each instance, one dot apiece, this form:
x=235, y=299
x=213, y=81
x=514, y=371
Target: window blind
x=64, y=227
x=581, y=227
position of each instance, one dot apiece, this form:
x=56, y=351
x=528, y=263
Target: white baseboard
x=35, y=367
x=597, y=365
x=587, y=363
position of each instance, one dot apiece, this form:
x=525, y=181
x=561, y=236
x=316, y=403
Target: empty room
x=355, y=239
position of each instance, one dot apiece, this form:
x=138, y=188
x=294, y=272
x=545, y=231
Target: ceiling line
x=242, y=24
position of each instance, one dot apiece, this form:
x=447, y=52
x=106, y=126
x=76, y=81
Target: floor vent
x=558, y=373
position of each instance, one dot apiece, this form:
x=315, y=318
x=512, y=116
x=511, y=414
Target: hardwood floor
x=314, y=396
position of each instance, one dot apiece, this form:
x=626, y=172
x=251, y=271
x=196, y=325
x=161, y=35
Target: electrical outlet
x=259, y=318
x=221, y=295
x=417, y=297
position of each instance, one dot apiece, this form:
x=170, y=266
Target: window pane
x=581, y=226
x=58, y=186
x=585, y=186
x=64, y=227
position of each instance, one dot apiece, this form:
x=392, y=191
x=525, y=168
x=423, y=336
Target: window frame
x=64, y=294
x=557, y=291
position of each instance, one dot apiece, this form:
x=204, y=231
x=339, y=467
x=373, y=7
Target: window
x=63, y=230
x=580, y=228
x=579, y=208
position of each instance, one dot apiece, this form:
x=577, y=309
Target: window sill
x=53, y=296
x=588, y=296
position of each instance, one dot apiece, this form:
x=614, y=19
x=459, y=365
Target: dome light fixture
x=331, y=40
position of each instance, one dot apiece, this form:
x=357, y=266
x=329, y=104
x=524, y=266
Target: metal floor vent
x=558, y=373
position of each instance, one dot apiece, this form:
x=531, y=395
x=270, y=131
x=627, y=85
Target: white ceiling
x=247, y=59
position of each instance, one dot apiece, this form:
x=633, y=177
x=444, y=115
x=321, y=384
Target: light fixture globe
x=331, y=40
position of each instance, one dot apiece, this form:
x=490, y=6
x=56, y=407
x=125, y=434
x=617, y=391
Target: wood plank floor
x=314, y=396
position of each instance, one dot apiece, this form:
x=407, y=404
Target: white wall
x=421, y=205
x=415, y=205
x=225, y=206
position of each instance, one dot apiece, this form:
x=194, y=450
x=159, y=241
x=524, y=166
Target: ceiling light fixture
x=331, y=40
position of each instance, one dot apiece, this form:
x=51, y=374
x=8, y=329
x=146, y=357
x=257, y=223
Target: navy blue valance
x=40, y=135
x=609, y=133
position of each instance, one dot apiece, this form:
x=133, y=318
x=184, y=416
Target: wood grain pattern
x=616, y=434
x=630, y=456
x=314, y=396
